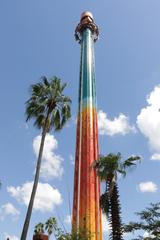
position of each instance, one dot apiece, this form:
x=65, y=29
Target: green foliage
x=48, y=105
x=107, y=168
x=51, y=226
x=39, y=228
x=149, y=222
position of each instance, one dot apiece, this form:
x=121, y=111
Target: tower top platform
x=86, y=21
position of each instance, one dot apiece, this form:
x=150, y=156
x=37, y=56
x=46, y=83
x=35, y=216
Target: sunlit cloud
x=67, y=219
x=118, y=126
x=9, y=210
x=148, y=121
x=71, y=158
x=10, y=237
x=51, y=163
x=46, y=199
x=105, y=224
x=156, y=157
x=147, y=187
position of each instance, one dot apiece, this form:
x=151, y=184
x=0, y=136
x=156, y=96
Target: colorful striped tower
x=86, y=210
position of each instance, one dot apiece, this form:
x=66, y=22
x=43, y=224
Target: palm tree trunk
x=115, y=218
x=36, y=179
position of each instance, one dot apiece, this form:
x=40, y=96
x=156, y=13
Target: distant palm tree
x=108, y=168
x=51, y=110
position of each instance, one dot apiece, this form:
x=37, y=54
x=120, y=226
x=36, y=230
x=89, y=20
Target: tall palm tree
x=108, y=168
x=51, y=109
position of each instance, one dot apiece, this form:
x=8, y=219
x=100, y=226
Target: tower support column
x=86, y=215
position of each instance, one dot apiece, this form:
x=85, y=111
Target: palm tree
x=108, y=168
x=51, y=110
x=51, y=226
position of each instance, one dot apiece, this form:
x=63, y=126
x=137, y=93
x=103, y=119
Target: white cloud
x=147, y=187
x=67, y=219
x=11, y=237
x=46, y=199
x=155, y=156
x=74, y=119
x=146, y=234
x=71, y=159
x=51, y=163
x=9, y=210
x=105, y=224
x=106, y=228
x=119, y=125
x=148, y=121
x=126, y=235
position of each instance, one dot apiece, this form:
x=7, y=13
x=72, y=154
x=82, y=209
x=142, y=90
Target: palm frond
x=131, y=162
x=40, y=121
x=45, y=81
x=55, y=120
x=63, y=86
x=47, y=97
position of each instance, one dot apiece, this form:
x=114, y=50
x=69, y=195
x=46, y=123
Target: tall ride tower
x=86, y=214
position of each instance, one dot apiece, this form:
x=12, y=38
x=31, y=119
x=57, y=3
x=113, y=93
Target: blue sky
x=37, y=38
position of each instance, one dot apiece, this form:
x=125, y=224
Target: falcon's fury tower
x=86, y=215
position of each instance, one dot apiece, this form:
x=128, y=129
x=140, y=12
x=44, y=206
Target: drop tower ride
x=86, y=214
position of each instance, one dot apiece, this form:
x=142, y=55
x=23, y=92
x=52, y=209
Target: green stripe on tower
x=87, y=94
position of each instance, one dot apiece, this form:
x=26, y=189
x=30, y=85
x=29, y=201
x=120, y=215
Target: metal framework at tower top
x=86, y=22
x=86, y=214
